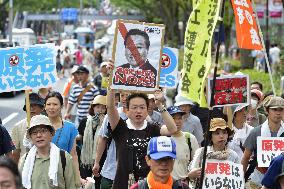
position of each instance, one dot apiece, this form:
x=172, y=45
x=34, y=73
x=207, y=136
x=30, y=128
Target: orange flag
x=246, y=26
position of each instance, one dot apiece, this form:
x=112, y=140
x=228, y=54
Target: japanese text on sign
x=26, y=68
x=229, y=90
x=246, y=26
x=137, y=52
x=223, y=174
x=197, y=42
x=268, y=148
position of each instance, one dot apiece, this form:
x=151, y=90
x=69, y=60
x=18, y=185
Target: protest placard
x=230, y=90
x=169, y=68
x=268, y=148
x=197, y=49
x=24, y=68
x=246, y=26
x=223, y=174
x=137, y=52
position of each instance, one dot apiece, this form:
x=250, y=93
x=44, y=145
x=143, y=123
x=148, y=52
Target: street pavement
x=11, y=108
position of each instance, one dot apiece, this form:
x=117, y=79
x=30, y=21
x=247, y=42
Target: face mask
x=253, y=103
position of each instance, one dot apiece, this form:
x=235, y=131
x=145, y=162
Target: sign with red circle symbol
x=166, y=61
x=14, y=60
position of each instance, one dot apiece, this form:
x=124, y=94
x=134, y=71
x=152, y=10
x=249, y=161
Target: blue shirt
x=6, y=144
x=67, y=136
x=275, y=168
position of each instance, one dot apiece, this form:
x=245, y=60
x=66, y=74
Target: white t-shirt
x=183, y=155
x=274, y=54
x=239, y=138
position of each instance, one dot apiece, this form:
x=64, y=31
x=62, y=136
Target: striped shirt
x=84, y=104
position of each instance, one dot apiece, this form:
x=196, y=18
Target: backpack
x=178, y=184
x=63, y=160
x=187, y=136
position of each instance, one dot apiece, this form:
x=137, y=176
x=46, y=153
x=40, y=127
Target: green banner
x=197, y=49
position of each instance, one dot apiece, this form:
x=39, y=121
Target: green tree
x=168, y=12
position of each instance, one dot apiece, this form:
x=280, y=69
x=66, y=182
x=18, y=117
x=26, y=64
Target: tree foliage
x=47, y=5
x=167, y=12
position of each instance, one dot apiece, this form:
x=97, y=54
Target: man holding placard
x=272, y=127
x=132, y=136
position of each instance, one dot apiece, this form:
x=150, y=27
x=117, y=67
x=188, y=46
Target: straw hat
x=99, y=99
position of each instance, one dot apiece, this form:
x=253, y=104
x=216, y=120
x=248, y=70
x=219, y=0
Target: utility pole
x=81, y=11
x=267, y=42
x=10, y=21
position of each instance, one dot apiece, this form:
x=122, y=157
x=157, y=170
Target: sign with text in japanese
x=246, y=25
x=268, y=148
x=24, y=68
x=223, y=174
x=197, y=49
x=169, y=68
x=137, y=55
x=230, y=90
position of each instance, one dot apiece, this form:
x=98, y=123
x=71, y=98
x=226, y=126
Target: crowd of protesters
x=133, y=140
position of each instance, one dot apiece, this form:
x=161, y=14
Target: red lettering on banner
x=236, y=97
x=267, y=145
x=224, y=168
x=236, y=83
x=278, y=145
x=211, y=168
x=132, y=77
x=221, y=98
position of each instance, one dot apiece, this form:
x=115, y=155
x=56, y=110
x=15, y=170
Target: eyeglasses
x=41, y=131
x=277, y=109
x=138, y=107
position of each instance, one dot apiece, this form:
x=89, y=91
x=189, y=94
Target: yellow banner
x=197, y=49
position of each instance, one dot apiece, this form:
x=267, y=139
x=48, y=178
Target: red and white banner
x=275, y=8
x=268, y=148
x=229, y=90
x=246, y=26
x=223, y=174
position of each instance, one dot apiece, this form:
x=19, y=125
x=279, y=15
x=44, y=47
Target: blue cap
x=160, y=147
x=175, y=110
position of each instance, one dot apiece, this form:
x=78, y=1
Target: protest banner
x=169, y=68
x=137, y=52
x=268, y=148
x=23, y=68
x=246, y=26
x=223, y=174
x=275, y=8
x=230, y=90
x=197, y=49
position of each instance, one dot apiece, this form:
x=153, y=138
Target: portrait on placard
x=137, y=55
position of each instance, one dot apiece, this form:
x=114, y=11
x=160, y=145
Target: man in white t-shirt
x=186, y=145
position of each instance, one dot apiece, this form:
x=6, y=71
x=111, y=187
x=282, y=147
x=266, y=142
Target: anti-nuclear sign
x=169, y=68
x=24, y=68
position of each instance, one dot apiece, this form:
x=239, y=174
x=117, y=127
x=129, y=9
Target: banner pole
x=28, y=107
x=212, y=96
x=264, y=49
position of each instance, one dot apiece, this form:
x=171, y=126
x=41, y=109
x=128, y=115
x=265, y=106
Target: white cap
x=103, y=64
x=40, y=120
x=180, y=100
x=74, y=69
